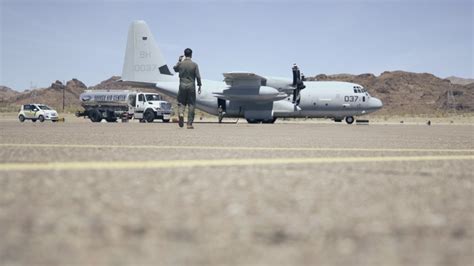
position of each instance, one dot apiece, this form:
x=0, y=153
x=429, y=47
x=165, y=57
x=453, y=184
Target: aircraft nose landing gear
x=349, y=119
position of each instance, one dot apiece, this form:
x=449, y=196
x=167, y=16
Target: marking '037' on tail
x=144, y=61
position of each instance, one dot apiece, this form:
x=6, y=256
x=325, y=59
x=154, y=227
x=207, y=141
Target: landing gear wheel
x=95, y=116
x=111, y=120
x=349, y=119
x=269, y=121
x=149, y=116
x=253, y=121
x=41, y=118
x=33, y=120
x=21, y=118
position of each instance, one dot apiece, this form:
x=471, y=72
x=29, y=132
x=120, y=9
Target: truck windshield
x=44, y=107
x=153, y=97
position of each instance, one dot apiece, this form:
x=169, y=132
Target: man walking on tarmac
x=188, y=74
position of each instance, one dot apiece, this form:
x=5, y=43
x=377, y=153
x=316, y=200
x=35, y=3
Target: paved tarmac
x=80, y=193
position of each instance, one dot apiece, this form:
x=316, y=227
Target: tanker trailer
x=113, y=104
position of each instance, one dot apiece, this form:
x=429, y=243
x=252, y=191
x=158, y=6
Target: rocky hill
x=412, y=93
x=401, y=93
x=111, y=83
x=53, y=95
x=460, y=81
x=7, y=93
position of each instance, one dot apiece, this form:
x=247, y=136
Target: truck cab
x=149, y=106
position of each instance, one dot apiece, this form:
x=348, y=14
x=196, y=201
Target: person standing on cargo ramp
x=188, y=74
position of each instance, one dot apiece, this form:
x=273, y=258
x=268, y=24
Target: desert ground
x=291, y=193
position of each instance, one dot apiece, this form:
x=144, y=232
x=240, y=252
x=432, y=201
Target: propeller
x=298, y=83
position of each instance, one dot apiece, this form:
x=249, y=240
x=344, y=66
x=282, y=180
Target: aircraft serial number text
x=150, y=67
x=351, y=98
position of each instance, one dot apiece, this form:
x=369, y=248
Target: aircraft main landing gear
x=269, y=121
x=263, y=121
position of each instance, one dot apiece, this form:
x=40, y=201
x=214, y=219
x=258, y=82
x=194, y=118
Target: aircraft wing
x=244, y=79
x=247, y=86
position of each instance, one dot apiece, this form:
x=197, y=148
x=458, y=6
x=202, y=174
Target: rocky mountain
x=53, y=95
x=7, y=93
x=401, y=92
x=411, y=93
x=111, y=83
x=460, y=81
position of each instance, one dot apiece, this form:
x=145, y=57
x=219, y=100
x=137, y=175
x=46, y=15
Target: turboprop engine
x=263, y=93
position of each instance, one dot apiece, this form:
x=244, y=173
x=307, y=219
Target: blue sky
x=42, y=41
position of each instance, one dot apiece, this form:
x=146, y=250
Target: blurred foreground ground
x=292, y=193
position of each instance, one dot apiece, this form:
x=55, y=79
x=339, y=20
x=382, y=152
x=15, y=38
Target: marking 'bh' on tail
x=144, y=61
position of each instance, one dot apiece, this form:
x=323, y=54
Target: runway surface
x=80, y=193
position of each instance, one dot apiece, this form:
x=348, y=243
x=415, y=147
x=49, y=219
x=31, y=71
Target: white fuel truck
x=113, y=104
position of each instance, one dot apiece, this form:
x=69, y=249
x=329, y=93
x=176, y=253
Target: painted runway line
x=117, y=165
x=93, y=146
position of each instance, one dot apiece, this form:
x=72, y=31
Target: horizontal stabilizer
x=137, y=84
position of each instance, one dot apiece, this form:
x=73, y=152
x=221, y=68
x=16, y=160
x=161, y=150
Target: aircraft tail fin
x=144, y=61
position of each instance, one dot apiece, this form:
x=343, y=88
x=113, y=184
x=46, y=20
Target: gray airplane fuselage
x=330, y=99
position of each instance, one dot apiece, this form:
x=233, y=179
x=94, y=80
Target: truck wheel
x=41, y=118
x=95, y=116
x=166, y=120
x=21, y=118
x=349, y=119
x=111, y=120
x=149, y=115
x=33, y=120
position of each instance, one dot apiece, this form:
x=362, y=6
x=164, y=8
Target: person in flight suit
x=188, y=74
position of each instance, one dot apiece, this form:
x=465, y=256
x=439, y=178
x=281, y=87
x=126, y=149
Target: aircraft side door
x=365, y=99
x=221, y=103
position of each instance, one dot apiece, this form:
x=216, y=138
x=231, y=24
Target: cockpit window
x=359, y=89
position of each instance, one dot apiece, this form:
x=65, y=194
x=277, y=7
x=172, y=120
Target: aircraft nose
x=375, y=103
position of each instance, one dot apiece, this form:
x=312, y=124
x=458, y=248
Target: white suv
x=39, y=112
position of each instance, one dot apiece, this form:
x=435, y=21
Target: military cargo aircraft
x=257, y=98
